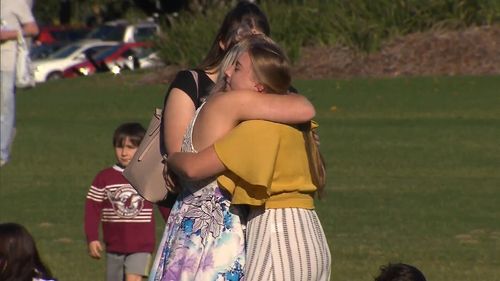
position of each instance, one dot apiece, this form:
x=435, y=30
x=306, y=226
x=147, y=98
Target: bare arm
x=29, y=29
x=178, y=112
x=196, y=166
x=247, y=105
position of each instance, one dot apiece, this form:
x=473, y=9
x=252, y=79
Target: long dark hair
x=244, y=14
x=19, y=258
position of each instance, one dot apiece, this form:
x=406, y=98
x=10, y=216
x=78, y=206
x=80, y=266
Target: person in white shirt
x=15, y=17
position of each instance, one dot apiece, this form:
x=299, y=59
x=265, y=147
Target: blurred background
x=324, y=39
x=406, y=95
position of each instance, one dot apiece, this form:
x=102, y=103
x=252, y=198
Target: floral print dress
x=204, y=234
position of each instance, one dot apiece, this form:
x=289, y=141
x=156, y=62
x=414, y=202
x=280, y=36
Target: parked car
x=43, y=51
x=52, y=67
x=126, y=56
x=125, y=32
x=150, y=59
x=60, y=34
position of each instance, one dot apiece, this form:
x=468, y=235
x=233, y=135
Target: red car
x=60, y=34
x=114, y=59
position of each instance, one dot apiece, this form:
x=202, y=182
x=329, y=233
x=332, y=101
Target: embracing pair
x=246, y=206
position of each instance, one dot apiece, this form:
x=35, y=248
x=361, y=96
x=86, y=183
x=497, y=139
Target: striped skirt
x=286, y=244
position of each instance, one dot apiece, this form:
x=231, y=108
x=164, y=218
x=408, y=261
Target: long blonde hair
x=270, y=65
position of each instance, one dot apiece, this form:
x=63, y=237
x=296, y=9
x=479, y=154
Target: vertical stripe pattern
x=286, y=244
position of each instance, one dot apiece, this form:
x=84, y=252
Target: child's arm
x=95, y=249
x=92, y=216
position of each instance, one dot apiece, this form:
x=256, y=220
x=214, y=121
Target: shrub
x=360, y=24
x=188, y=38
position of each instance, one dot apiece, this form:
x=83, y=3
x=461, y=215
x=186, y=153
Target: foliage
x=47, y=12
x=361, y=24
x=365, y=24
x=412, y=170
x=189, y=38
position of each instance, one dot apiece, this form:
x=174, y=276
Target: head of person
x=126, y=140
x=260, y=65
x=19, y=258
x=245, y=18
x=399, y=272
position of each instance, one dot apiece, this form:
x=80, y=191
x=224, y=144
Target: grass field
x=413, y=170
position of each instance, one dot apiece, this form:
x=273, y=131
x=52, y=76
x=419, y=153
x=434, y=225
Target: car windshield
x=143, y=52
x=108, y=33
x=65, y=52
x=106, y=53
x=43, y=51
x=69, y=35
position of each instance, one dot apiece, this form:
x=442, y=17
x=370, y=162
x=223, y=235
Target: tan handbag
x=146, y=170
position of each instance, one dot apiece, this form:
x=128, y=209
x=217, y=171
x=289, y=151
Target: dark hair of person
x=399, y=272
x=244, y=14
x=19, y=258
x=133, y=131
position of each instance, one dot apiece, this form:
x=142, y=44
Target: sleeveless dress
x=204, y=236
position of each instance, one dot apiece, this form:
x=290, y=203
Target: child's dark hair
x=133, y=131
x=19, y=258
x=400, y=272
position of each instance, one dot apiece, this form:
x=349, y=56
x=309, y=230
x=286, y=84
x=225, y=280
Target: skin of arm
x=248, y=105
x=178, y=112
x=196, y=166
x=222, y=113
x=30, y=29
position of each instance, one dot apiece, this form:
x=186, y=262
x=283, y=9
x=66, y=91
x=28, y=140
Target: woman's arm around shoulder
x=248, y=105
x=196, y=166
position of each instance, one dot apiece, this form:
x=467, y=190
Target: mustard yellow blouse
x=266, y=165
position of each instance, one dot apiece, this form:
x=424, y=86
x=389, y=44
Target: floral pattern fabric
x=204, y=234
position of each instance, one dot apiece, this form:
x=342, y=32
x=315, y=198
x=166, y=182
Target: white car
x=52, y=67
x=121, y=30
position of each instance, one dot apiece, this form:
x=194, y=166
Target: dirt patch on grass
x=473, y=51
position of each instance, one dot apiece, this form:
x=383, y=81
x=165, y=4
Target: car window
x=43, y=51
x=65, y=52
x=144, y=33
x=141, y=52
x=94, y=50
x=108, y=33
x=128, y=53
x=69, y=35
x=77, y=34
x=106, y=52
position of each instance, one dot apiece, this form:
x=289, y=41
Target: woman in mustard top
x=265, y=165
x=204, y=235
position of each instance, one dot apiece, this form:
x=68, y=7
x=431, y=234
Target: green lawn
x=413, y=170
